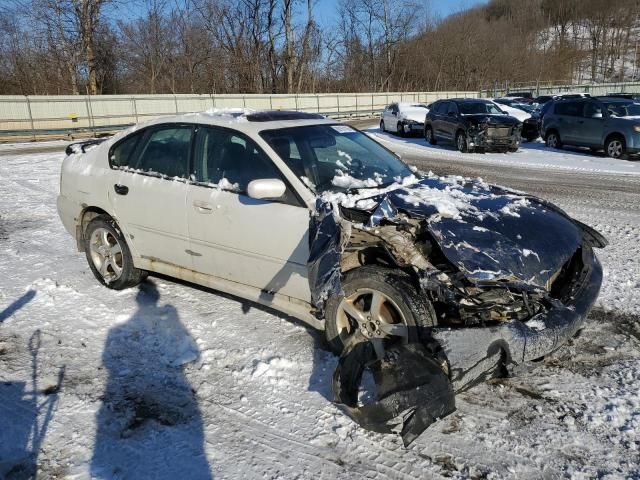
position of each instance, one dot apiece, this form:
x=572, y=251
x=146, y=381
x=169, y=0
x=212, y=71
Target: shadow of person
x=149, y=424
x=17, y=305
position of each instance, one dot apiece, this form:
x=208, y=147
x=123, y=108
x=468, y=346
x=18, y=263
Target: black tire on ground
x=552, y=140
x=429, y=136
x=461, y=142
x=382, y=126
x=400, y=129
x=394, y=284
x=615, y=147
x=513, y=149
x=130, y=276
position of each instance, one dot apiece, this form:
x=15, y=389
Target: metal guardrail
x=44, y=116
x=500, y=90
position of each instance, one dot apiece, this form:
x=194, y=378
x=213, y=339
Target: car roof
x=246, y=120
x=467, y=100
x=614, y=99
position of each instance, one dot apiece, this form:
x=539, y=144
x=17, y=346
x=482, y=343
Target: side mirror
x=266, y=189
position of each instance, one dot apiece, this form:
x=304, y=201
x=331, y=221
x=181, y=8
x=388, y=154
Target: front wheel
x=429, y=136
x=400, y=129
x=615, y=147
x=109, y=256
x=461, y=142
x=553, y=140
x=382, y=304
x=382, y=126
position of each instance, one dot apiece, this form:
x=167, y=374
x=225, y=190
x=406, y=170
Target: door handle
x=121, y=189
x=203, y=207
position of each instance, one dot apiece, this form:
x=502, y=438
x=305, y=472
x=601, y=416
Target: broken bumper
x=484, y=141
x=472, y=352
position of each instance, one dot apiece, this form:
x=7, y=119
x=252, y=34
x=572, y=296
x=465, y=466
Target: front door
x=261, y=243
x=149, y=192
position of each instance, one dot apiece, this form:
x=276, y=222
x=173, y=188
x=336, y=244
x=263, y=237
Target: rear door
x=149, y=195
x=569, y=119
x=591, y=126
x=262, y=243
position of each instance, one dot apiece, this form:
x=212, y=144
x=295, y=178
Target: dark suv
x=472, y=123
x=608, y=123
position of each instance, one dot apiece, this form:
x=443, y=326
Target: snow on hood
x=515, y=112
x=489, y=233
x=416, y=114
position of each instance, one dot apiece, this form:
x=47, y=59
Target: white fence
x=590, y=88
x=46, y=115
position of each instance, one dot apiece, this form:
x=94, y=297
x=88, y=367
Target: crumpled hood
x=415, y=114
x=491, y=234
x=491, y=120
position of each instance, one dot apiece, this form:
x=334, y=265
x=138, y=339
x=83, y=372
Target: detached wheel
x=461, y=142
x=381, y=303
x=615, y=147
x=382, y=126
x=109, y=256
x=553, y=140
x=429, y=136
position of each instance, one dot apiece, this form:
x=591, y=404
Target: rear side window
x=165, y=151
x=572, y=109
x=123, y=151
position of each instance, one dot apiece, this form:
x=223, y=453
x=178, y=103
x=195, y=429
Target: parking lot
x=249, y=389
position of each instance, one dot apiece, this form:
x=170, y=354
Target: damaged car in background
x=424, y=285
x=472, y=125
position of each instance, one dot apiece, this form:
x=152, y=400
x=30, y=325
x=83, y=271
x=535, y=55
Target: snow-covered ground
x=174, y=381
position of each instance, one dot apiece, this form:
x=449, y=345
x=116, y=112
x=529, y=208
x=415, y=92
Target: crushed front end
x=510, y=278
x=488, y=134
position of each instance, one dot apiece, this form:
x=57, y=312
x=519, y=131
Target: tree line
x=279, y=46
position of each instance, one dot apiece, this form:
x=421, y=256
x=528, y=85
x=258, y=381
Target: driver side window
x=230, y=161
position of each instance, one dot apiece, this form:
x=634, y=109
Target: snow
x=175, y=381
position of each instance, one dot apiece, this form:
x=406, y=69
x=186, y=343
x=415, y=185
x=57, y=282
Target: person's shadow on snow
x=149, y=424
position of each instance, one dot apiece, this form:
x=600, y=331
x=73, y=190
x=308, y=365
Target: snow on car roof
x=245, y=119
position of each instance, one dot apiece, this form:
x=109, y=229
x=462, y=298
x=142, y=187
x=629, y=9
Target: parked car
x=519, y=103
x=472, y=123
x=541, y=100
x=526, y=95
x=403, y=118
x=317, y=220
x=608, y=123
x=629, y=96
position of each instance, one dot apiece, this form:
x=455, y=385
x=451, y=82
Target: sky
x=326, y=10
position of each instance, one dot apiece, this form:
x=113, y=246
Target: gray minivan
x=608, y=123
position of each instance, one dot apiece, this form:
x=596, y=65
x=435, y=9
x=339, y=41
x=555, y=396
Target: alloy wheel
x=614, y=149
x=106, y=254
x=375, y=315
x=552, y=140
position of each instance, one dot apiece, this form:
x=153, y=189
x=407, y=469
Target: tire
x=513, y=149
x=461, y=142
x=552, y=140
x=382, y=126
x=119, y=272
x=429, y=135
x=400, y=129
x=615, y=147
x=393, y=284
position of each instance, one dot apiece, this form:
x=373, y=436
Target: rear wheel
x=553, y=140
x=429, y=136
x=615, y=147
x=461, y=142
x=109, y=256
x=380, y=303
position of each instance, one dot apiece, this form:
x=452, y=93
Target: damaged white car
x=431, y=283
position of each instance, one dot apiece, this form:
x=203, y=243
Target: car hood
x=491, y=120
x=491, y=234
x=415, y=114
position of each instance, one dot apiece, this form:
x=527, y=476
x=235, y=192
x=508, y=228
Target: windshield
x=335, y=157
x=471, y=108
x=619, y=109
